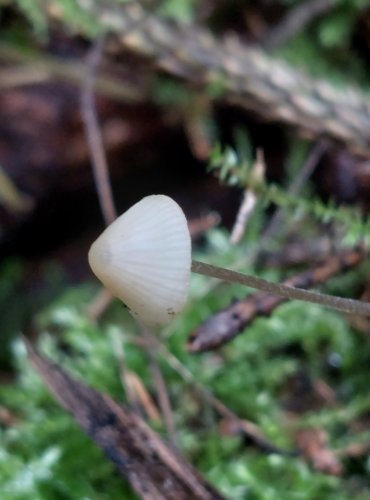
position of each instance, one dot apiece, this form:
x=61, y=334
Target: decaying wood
x=244, y=75
x=231, y=321
x=154, y=471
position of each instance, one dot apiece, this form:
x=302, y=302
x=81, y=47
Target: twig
x=294, y=189
x=195, y=118
x=246, y=428
x=249, y=201
x=162, y=392
x=36, y=68
x=154, y=471
x=99, y=305
x=93, y=136
x=295, y=21
x=124, y=375
x=200, y=225
x=22, y=76
x=136, y=393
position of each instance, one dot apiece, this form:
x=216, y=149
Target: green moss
x=45, y=455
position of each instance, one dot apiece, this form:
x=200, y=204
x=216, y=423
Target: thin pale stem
x=350, y=306
x=161, y=387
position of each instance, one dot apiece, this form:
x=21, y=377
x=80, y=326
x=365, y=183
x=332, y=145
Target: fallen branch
x=154, y=471
x=245, y=76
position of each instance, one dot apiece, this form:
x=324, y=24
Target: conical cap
x=144, y=258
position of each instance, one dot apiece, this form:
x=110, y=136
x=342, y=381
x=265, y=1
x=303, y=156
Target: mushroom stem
x=350, y=306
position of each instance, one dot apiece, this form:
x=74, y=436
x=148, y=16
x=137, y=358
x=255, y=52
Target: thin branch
x=249, y=200
x=246, y=428
x=162, y=392
x=154, y=471
x=294, y=189
x=295, y=21
x=137, y=396
x=36, y=68
x=93, y=135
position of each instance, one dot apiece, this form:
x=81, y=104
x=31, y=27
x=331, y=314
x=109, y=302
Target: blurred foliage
x=324, y=47
x=181, y=11
x=20, y=298
x=235, y=168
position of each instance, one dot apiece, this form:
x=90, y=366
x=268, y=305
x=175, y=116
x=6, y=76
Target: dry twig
x=136, y=393
x=249, y=200
x=94, y=138
x=304, y=174
x=240, y=426
x=160, y=384
x=154, y=471
x=296, y=19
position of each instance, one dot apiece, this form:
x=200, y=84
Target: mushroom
x=144, y=259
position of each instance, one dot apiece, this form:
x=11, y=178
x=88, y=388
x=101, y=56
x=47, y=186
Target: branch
x=154, y=471
x=93, y=135
x=295, y=21
x=242, y=75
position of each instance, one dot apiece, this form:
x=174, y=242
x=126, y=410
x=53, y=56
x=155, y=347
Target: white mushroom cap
x=144, y=259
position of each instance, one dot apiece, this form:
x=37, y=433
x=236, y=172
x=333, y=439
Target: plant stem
x=350, y=306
